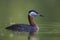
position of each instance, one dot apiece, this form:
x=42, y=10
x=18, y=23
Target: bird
x=32, y=27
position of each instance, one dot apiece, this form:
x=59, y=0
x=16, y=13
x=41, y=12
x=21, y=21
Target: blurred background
x=16, y=11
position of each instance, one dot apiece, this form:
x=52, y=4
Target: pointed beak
x=41, y=15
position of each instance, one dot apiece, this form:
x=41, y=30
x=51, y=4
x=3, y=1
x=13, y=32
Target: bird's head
x=34, y=13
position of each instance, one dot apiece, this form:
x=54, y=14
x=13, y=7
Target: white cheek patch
x=33, y=14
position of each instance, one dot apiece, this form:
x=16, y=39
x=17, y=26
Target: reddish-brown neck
x=31, y=21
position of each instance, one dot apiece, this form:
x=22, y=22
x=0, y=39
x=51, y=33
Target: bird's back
x=22, y=27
